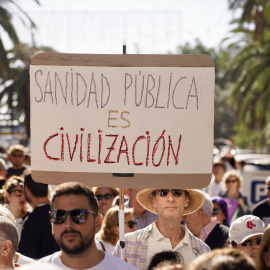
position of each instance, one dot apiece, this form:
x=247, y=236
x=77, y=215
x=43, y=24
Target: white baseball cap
x=245, y=227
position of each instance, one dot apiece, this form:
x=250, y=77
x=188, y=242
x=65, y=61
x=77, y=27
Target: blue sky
x=146, y=26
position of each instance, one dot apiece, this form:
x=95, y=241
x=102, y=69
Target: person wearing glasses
x=167, y=233
x=262, y=209
x=236, y=202
x=109, y=233
x=220, y=210
x=246, y=234
x=207, y=228
x=13, y=191
x=75, y=221
x=16, y=156
x=105, y=196
x=36, y=238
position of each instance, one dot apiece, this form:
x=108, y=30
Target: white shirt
x=157, y=243
x=109, y=262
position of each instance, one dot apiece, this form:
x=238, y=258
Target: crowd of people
x=74, y=226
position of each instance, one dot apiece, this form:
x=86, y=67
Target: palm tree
x=254, y=12
x=7, y=26
x=250, y=68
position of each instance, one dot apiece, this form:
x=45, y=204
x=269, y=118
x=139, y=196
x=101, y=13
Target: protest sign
x=97, y=118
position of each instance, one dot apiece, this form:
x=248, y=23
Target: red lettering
x=107, y=160
x=45, y=146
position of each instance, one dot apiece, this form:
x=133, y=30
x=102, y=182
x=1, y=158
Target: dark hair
x=75, y=188
x=224, y=208
x=166, y=255
x=37, y=189
x=223, y=259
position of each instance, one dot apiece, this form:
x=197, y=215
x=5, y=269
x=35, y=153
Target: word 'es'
x=154, y=153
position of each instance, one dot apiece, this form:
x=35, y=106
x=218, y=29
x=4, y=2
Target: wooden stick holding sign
x=122, y=211
x=122, y=222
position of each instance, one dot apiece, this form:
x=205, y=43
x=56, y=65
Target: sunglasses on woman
x=78, y=216
x=106, y=196
x=131, y=224
x=17, y=192
x=248, y=243
x=164, y=192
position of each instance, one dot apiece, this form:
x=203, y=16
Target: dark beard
x=83, y=245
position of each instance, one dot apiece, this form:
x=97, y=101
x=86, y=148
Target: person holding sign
x=167, y=233
x=75, y=220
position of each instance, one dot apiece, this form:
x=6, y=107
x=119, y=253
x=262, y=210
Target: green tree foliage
x=249, y=70
x=224, y=114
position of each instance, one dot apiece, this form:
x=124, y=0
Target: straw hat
x=196, y=200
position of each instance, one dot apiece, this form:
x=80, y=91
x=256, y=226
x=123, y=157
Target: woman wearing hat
x=167, y=233
x=246, y=233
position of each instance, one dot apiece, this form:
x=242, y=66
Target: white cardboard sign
x=110, y=119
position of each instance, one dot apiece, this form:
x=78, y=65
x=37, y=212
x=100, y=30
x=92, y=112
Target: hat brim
x=242, y=239
x=196, y=200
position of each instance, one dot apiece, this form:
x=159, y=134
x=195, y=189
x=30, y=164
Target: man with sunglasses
x=262, y=209
x=75, y=221
x=167, y=233
x=246, y=233
x=16, y=156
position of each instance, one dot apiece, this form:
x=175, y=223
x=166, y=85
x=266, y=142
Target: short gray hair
x=8, y=231
x=207, y=206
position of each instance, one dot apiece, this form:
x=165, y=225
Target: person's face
x=130, y=226
x=138, y=209
x=16, y=199
x=104, y=203
x=194, y=222
x=170, y=206
x=17, y=158
x=232, y=183
x=218, y=213
x=251, y=250
x=218, y=171
x=75, y=238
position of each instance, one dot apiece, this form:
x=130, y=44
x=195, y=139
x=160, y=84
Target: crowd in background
x=222, y=225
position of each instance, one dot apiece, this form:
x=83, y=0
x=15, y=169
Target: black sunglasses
x=165, y=192
x=248, y=243
x=78, y=216
x=215, y=211
x=17, y=192
x=106, y=196
x=17, y=155
x=268, y=188
x=131, y=224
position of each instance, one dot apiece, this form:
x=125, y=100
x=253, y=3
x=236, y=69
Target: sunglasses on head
x=106, y=196
x=78, y=216
x=248, y=243
x=165, y=192
x=131, y=224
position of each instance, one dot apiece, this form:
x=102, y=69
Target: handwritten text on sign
x=122, y=119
